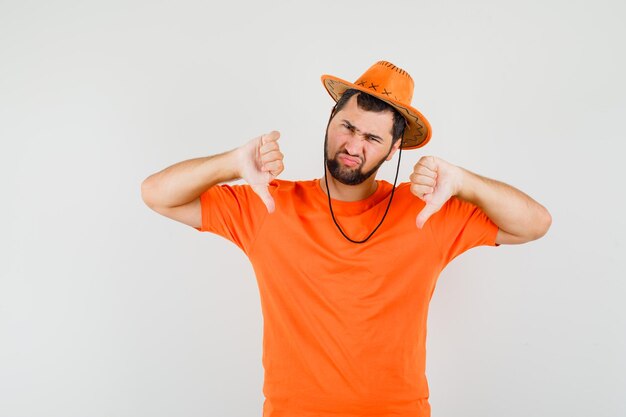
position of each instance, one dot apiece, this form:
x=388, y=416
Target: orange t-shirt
x=344, y=324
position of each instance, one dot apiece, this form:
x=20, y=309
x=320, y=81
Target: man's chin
x=345, y=174
x=349, y=181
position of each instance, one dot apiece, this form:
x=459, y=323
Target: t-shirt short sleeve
x=460, y=225
x=235, y=212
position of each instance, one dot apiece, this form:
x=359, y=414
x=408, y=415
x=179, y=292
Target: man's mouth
x=348, y=160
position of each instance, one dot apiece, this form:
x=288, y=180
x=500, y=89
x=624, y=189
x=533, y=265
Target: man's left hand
x=434, y=181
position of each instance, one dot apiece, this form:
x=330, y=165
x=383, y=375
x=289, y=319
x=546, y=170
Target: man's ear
x=394, y=148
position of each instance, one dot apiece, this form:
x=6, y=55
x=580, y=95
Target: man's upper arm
x=189, y=214
x=505, y=238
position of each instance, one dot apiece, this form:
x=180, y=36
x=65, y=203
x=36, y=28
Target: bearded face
x=346, y=171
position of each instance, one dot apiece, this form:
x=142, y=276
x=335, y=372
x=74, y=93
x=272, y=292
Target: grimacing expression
x=362, y=135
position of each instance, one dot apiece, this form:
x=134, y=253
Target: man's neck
x=343, y=192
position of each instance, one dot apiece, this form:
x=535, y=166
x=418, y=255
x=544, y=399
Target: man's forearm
x=186, y=180
x=509, y=208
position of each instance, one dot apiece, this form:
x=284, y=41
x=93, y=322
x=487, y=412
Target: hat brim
x=418, y=130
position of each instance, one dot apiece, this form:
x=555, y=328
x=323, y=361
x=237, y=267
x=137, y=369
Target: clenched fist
x=260, y=162
x=434, y=181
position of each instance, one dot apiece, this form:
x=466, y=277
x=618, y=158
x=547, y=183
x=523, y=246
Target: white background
x=109, y=309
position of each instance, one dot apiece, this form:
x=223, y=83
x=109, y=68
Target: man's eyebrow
x=365, y=133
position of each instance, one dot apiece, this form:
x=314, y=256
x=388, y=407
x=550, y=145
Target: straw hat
x=394, y=86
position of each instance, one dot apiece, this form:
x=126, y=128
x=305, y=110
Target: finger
x=422, y=179
x=274, y=167
x=424, y=215
x=275, y=172
x=425, y=170
x=262, y=191
x=420, y=190
x=269, y=146
x=270, y=137
x=272, y=156
x=428, y=162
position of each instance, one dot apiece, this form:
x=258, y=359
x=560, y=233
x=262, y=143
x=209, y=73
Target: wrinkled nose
x=354, y=145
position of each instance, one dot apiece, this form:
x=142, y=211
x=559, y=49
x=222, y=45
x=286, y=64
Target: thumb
x=428, y=210
x=262, y=191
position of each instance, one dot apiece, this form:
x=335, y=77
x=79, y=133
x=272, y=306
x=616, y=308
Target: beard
x=345, y=174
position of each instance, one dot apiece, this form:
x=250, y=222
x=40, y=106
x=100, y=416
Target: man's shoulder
x=286, y=181
x=286, y=184
x=404, y=188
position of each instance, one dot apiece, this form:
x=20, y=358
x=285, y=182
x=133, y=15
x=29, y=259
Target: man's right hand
x=260, y=161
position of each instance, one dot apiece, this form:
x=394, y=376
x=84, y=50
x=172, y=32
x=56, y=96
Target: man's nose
x=354, y=145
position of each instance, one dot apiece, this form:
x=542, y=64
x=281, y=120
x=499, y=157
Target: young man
x=345, y=276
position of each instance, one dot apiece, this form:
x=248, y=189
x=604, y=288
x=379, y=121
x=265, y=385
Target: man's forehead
x=375, y=123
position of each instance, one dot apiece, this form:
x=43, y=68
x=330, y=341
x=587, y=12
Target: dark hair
x=370, y=103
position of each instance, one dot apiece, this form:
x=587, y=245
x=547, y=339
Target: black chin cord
x=388, y=204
